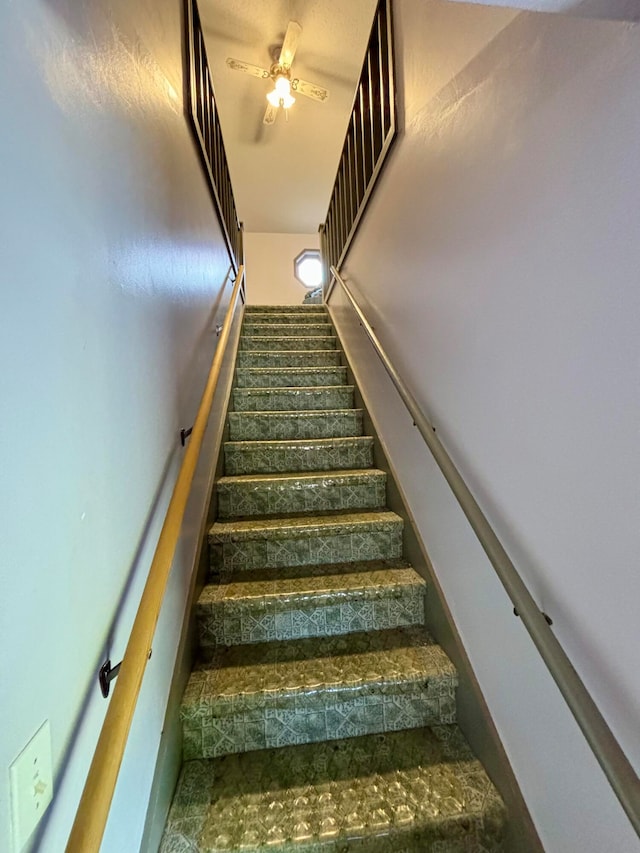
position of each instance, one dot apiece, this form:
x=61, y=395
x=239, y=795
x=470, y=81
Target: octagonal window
x=307, y=268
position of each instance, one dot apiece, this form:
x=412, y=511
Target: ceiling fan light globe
x=276, y=99
x=282, y=87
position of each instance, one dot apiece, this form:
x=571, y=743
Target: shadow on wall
x=106, y=651
x=202, y=355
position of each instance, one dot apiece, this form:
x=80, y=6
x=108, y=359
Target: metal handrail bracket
x=91, y=817
x=615, y=764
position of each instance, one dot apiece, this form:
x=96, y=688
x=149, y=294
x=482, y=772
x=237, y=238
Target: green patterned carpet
x=320, y=715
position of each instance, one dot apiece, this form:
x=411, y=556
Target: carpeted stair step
x=289, y=377
x=268, y=318
x=292, y=399
x=300, y=691
x=401, y=792
x=314, y=454
x=321, y=715
x=267, y=342
x=285, y=309
x=289, y=358
x=252, y=426
x=276, y=494
x=279, y=330
x=310, y=601
x=303, y=541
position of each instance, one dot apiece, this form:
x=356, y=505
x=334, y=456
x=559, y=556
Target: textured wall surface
x=613, y=10
x=269, y=258
x=112, y=278
x=498, y=263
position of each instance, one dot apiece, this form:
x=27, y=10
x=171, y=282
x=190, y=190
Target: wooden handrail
x=93, y=810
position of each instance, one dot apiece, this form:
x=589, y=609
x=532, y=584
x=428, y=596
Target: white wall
x=269, y=259
x=112, y=274
x=623, y=10
x=499, y=265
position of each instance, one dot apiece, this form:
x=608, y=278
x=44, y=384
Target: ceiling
x=283, y=174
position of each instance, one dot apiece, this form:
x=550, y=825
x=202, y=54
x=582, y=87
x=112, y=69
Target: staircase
x=320, y=715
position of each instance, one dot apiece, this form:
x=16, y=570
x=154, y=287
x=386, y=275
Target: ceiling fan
x=280, y=73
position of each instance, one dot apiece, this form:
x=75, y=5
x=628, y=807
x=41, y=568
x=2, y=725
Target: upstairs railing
x=205, y=124
x=614, y=763
x=370, y=134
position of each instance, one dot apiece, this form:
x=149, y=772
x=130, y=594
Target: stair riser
x=280, y=319
x=255, y=426
x=240, y=499
x=296, y=330
x=291, y=378
x=278, y=553
x=262, y=343
x=318, y=716
x=289, y=400
x=268, y=358
x=256, y=460
x=301, y=310
x=238, y=623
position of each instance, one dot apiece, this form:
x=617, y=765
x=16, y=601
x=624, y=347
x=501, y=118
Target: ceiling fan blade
x=270, y=114
x=310, y=90
x=247, y=68
x=292, y=36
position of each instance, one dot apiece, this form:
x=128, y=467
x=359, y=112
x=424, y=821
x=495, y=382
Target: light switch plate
x=31, y=782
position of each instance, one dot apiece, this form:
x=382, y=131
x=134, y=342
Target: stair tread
x=298, y=397
x=288, y=425
x=286, y=327
x=299, y=454
x=289, y=376
x=244, y=495
x=289, y=358
x=298, y=311
x=284, y=527
x=322, y=583
x=261, y=605
x=314, y=413
x=301, y=337
x=401, y=791
x=297, y=443
x=286, y=343
x=267, y=371
x=357, y=475
x=285, y=309
x=281, y=320
x=291, y=352
x=295, y=389
x=247, y=677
